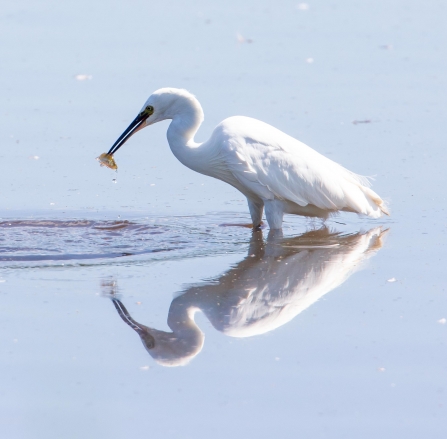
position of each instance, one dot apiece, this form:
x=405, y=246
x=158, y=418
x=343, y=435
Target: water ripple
x=35, y=241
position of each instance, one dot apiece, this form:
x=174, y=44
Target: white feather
x=272, y=169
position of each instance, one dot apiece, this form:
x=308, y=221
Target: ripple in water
x=41, y=241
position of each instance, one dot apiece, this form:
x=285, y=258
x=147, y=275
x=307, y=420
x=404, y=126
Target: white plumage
x=272, y=169
x=271, y=286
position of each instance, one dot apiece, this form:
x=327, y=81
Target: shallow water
x=32, y=241
x=141, y=306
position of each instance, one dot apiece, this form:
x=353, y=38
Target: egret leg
x=275, y=235
x=256, y=209
x=274, y=212
x=256, y=248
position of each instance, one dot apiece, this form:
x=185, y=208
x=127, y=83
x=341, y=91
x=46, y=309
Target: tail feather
x=376, y=200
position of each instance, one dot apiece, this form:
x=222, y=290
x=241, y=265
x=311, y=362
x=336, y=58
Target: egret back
x=274, y=165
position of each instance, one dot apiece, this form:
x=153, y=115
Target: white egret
x=271, y=286
x=272, y=169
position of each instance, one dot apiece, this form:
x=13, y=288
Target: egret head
x=171, y=349
x=165, y=103
x=175, y=348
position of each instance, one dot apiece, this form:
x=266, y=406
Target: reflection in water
x=275, y=282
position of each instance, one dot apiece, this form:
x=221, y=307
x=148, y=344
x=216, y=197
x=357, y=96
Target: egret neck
x=273, y=170
x=181, y=132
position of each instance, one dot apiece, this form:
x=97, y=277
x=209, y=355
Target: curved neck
x=181, y=317
x=169, y=348
x=181, y=133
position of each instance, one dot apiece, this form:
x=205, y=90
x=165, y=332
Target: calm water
x=139, y=306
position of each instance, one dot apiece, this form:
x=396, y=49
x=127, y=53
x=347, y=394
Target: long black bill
x=130, y=130
x=147, y=339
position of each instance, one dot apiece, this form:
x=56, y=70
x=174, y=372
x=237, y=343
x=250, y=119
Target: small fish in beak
x=107, y=160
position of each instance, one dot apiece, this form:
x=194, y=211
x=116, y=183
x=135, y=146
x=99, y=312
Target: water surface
x=134, y=303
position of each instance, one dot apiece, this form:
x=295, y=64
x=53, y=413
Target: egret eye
x=147, y=111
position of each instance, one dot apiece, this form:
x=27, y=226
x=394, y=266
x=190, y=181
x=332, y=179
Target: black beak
x=135, y=126
x=141, y=330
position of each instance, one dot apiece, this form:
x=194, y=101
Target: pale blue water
x=365, y=356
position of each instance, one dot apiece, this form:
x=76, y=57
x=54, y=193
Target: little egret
x=272, y=169
x=273, y=284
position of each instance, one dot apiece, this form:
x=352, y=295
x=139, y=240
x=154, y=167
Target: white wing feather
x=274, y=165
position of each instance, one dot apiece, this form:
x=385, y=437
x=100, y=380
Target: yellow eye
x=147, y=111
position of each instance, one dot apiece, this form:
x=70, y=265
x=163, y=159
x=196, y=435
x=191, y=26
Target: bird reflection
x=278, y=279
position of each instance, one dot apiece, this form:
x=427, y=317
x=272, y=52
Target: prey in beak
x=106, y=159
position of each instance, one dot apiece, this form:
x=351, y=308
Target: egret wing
x=275, y=165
